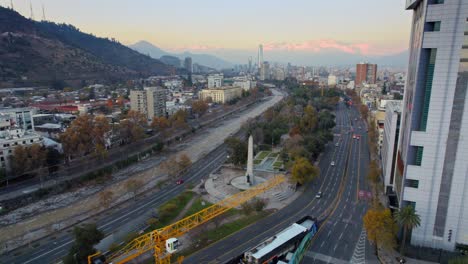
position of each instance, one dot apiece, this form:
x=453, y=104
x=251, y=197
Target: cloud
x=330, y=44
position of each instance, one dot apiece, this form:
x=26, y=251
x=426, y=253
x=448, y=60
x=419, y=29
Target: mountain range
x=208, y=60
x=44, y=53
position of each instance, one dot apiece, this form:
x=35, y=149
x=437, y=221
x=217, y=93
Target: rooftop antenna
x=11, y=5
x=43, y=13
x=30, y=7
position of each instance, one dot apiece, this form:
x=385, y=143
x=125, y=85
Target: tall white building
x=215, y=80
x=331, y=80
x=390, y=141
x=260, y=56
x=432, y=160
x=151, y=101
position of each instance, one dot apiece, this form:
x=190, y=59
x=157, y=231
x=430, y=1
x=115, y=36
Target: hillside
x=44, y=52
x=202, y=59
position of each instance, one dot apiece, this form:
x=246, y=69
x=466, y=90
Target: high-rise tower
x=260, y=56
x=431, y=171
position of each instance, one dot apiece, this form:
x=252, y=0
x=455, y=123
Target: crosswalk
x=359, y=254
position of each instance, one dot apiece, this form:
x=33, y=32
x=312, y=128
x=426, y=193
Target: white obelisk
x=249, y=174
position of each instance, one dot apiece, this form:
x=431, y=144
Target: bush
x=258, y=204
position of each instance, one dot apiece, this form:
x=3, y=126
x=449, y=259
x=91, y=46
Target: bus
x=287, y=246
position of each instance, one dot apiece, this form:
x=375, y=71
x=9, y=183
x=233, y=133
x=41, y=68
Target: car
x=336, y=145
x=332, y=163
x=179, y=181
x=319, y=195
x=358, y=137
x=354, y=136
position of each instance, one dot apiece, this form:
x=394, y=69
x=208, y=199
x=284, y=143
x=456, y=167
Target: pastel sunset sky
x=367, y=27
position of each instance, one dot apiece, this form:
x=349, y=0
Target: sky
x=367, y=27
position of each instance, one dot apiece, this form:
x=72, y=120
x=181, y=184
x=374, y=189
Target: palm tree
x=408, y=219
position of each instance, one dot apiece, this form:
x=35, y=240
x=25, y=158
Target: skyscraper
x=260, y=56
x=432, y=160
x=188, y=64
x=366, y=73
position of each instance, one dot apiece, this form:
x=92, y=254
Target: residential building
x=221, y=95
x=331, y=80
x=432, y=159
x=390, y=142
x=366, y=73
x=151, y=101
x=215, y=80
x=16, y=128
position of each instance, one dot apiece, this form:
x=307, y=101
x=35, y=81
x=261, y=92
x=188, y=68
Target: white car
x=332, y=163
x=319, y=195
x=336, y=145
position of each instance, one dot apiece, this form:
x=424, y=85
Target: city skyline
x=179, y=26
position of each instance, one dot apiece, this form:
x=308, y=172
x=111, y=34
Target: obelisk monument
x=249, y=173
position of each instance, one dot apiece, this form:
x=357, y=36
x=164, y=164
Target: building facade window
x=411, y=183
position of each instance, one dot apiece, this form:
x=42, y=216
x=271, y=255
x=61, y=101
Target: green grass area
x=278, y=164
x=210, y=236
x=171, y=209
x=273, y=155
x=262, y=154
x=197, y=206
x=256, y=162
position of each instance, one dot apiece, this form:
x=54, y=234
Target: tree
x=85, y=238
x=133, y=185
x=184, y=162
x=199, y=107
x=408, y=219
x=364, y=111
x=160, y=123
x=18, y=160
x=302, y=171
x=309, y=120
x=380, y=227
x=171, y=167
x=179, y=119
x=53, y=159
x=77, y=140
x=237, y=150
x=132, y=128
x=100, y=129
x=105, y=198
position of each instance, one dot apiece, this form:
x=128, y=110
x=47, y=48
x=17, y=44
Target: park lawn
x=256, y=162
x=178, y=203
x=213, y=235
x=197, y=206
x=262, y=154
x=273, y=155
x=278, y=164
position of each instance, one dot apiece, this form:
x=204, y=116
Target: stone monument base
x=241, y=183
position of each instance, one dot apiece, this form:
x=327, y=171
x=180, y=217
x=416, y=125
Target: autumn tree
x=381, y=228
x=184, y=162
x=171, y=167
x=28, y=159
x=132, y=128
x=160, y=124
x=364, y=111
x=101, y=127
x=105, y=198
x=179, y=119
x=199, y=107
x=78, y=140
x=303, y=171
x=18, y=159
x=237, y=150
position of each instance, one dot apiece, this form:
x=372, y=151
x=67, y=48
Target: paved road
x=336, y=183
x=124, y=220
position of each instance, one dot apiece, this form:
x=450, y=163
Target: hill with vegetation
x=41, y=53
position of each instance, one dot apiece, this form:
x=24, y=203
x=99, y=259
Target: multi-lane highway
x=338, y=210
x=51, y=250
